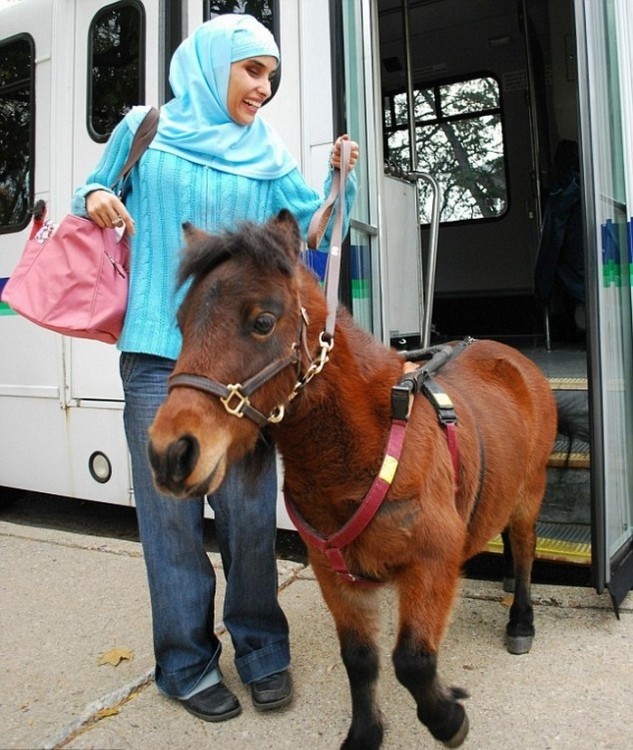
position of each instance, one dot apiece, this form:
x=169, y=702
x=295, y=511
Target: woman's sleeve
x=302, y=201
x=108, y=168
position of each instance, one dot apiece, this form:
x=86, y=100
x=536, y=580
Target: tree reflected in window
x=262, y=10
x=16, y=133
x=459, y=140
x=116, y=66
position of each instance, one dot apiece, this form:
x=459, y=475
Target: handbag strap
x=142, y=138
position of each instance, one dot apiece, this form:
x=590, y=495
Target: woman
x=214, y=162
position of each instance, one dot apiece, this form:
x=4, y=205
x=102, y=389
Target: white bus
x=521, y=179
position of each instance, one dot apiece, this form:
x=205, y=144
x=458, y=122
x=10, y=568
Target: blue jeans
x=181, y=579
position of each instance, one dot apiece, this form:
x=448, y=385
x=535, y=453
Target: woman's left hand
x=335, y=157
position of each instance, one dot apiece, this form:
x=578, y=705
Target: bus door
x=606, y=90
x=116, y=66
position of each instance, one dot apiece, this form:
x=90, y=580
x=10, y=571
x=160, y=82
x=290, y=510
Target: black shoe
x=216, y=703
x=273, y=691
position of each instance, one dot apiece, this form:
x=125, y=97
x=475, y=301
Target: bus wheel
x=9, y=496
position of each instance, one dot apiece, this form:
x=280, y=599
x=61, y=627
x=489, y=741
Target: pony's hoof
x=519, y=644
x=458, y=738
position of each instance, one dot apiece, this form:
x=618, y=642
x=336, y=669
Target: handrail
x=426, y=311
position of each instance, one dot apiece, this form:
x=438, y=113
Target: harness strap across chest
x=333, y=545
x=416, y=379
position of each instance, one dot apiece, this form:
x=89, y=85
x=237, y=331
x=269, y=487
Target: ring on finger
x=118, y=222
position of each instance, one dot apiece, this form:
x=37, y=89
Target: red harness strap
x=333, y=545
x=453, y=447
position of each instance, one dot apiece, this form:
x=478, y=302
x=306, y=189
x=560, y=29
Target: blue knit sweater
x=165, y=191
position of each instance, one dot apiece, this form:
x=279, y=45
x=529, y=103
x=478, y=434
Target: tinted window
x=262, y=10
x=116, y=46
x=17, y=120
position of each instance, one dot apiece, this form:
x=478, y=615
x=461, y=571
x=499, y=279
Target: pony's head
x=242, y=324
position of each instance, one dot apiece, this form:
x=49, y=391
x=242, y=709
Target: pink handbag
x=73, y=279
x=74, y=282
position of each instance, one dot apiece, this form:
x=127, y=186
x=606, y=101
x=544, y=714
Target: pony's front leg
x=355, y=611
x=426, y=598
x=360, y=657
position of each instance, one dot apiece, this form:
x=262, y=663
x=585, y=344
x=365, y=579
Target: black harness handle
x=421, y=380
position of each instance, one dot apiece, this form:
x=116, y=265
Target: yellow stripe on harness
x=442, y=399
x=388, y=469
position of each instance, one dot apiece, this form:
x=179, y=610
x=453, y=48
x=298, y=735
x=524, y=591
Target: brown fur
x=332, y=441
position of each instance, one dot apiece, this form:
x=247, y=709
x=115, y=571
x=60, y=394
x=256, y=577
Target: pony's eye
x=264, y=324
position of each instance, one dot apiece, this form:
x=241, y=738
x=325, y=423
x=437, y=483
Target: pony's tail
x=573, y=415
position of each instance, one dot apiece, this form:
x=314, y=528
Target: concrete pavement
x=67, y=599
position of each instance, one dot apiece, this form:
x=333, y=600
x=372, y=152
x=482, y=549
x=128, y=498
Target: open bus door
x=605, y=59
x=512, y=66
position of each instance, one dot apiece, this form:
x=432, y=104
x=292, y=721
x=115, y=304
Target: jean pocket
x=127, y=363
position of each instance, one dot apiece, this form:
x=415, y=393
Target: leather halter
x=236, y=396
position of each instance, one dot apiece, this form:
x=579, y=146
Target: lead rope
x=316, y=231
x=317, y=228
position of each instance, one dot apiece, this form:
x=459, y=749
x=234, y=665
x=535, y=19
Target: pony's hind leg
x=508, y=563
x=520, y=628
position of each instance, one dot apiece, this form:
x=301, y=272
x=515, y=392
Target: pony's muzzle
x=175, y=464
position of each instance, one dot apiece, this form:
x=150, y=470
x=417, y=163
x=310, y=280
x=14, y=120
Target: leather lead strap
x=317, y=228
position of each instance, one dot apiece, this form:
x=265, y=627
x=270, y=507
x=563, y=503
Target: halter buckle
x=277, y=414
x=234, y=391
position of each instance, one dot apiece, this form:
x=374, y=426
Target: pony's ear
x=286, y=225
x=193, y=235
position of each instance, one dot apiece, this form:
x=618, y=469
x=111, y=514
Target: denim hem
x=263, y=662
x=186, y=682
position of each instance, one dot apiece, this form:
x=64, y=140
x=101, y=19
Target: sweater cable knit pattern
x=211, y=200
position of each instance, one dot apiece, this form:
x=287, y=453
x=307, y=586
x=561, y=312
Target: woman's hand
x=107, y=211
x=335, y=157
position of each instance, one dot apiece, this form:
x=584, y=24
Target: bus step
x=557, y=542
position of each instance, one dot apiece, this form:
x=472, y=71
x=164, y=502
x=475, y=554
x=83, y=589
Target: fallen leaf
x=105, y=712
x=507, y=600
x=115, y=656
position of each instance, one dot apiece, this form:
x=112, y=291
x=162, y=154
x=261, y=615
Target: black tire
x=9, y=496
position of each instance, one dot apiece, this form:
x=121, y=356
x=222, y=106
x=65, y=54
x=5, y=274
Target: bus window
x=116, y=61
x=17, y=121
x=265, y=11
x=459, y=140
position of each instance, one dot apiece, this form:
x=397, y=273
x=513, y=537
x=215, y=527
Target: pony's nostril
x=174, y=466
x=182, y=456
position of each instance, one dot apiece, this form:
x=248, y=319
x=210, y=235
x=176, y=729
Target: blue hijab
x=196, y=125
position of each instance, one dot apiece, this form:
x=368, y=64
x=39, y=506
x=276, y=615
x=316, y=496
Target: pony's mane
x=258, y=243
